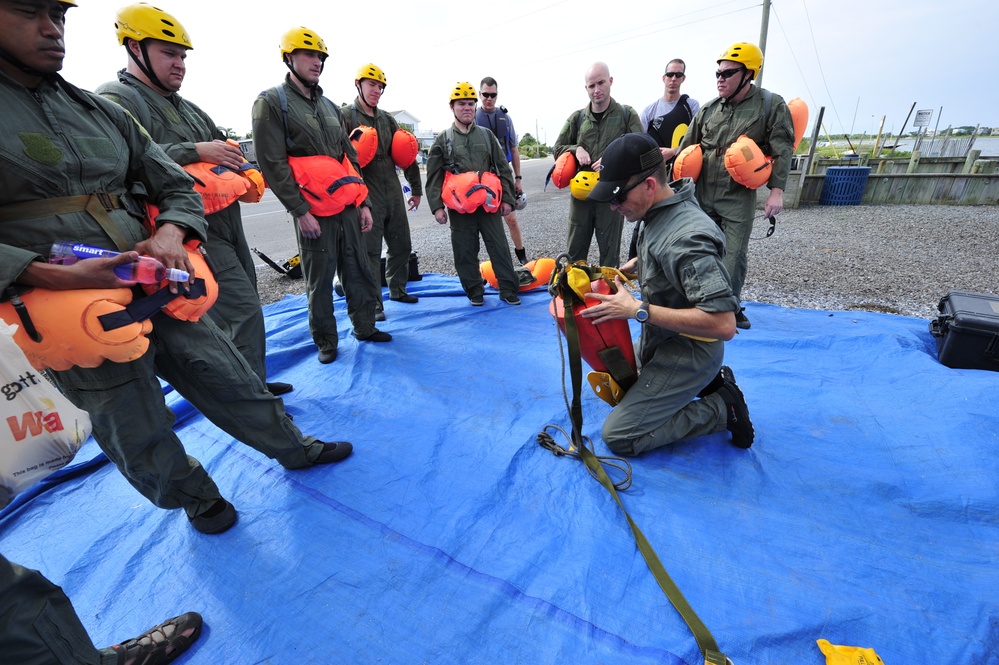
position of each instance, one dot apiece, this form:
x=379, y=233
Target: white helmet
x=521, y=202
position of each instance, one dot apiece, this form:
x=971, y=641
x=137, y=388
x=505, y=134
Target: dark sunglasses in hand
x=728, y=73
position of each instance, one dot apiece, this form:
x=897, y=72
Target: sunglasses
x=728, y=73
x=621, y=196
x=490, y=95
x=674, y=75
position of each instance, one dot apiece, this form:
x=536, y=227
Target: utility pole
x=763, y=38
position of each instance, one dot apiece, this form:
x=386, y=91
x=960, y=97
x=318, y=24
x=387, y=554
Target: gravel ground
x=898, y=259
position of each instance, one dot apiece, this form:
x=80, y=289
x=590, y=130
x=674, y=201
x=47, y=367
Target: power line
x=672, y=26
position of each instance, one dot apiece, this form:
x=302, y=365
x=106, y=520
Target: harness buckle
x=105, y=200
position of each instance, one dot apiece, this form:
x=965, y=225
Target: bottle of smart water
x=145, y=269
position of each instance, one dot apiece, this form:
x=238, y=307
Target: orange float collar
x=328, y=185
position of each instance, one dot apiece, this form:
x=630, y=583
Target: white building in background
x=425, y=137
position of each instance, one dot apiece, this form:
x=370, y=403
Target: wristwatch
x=642, y=315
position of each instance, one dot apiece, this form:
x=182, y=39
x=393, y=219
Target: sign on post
x=923, y=117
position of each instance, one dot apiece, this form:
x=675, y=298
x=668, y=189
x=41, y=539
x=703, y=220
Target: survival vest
x=61, y=329
x=665, y=128
x=498, y=122
x=327, y=184
x=468, y=191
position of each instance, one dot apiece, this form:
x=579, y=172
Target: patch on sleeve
x=260, y=111
x=704, y=278
x=96, y=146
x=40, y=148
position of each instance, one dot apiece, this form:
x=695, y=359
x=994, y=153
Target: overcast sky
x=861, y=59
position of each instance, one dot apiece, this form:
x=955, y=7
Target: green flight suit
x=176, y=125
x=679, y=266
x=58, y=141
x=388, y=206
x=478, y=151
x=589, y=217
x=717, y=126
x=314, y=126
x=40, y=626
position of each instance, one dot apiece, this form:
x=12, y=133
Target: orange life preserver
x=799, y=116
x=688, y=163
x=67, y=328
x=191, y=309
x=365, y=141
x=540, y=271
x=564, y=170
x=467, y=192
x=328, y=185
x=747, y=164
x=249, y=171
x=219, y=186
x=405, y=148
x=257, y=185
x=606, y=347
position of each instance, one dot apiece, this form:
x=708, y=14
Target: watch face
x=642, y=314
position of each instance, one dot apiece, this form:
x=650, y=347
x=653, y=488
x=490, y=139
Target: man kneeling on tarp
x=687, y=308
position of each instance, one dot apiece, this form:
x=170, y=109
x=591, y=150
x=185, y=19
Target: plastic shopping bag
x=40, y=430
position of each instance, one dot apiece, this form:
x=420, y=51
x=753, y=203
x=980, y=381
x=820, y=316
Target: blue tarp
x=867, y=512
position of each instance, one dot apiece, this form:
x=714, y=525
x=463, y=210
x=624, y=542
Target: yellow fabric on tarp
x=841, y=655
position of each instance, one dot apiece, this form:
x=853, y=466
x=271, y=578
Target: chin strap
x=310, y=86
x=745, y=82
x=144, y=68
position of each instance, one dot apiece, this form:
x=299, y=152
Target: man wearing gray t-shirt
x=666, y=119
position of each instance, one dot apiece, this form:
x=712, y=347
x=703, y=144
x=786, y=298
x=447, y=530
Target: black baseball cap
x=635, y=154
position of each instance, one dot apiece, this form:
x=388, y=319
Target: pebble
x=896, y=259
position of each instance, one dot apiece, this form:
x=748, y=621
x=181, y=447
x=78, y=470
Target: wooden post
x=969, y=161
x=913, y=162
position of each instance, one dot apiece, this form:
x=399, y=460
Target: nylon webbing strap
x=145, y=308
x=98, y=205
x=705, y=641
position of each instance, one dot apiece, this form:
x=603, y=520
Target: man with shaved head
x=586, y=134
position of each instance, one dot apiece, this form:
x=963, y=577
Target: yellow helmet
x=745, y=53
x=71, y=3
x=143, y=21
x=371, y=71
x=464, y=90
x=583, y=183
x=302, y=38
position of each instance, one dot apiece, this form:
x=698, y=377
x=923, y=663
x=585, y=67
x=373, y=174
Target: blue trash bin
x=844, y=185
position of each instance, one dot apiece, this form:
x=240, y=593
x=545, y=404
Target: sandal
x=162, y=643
